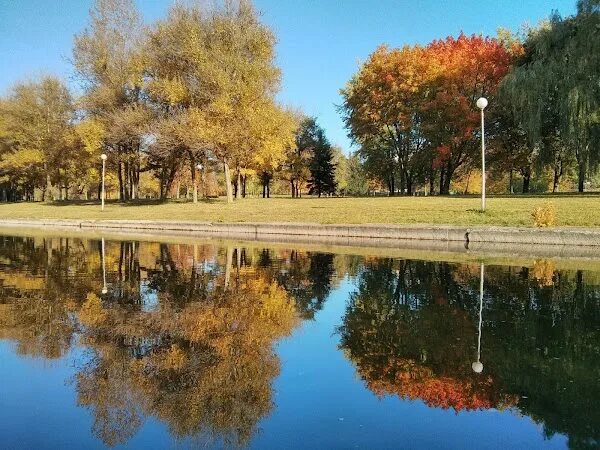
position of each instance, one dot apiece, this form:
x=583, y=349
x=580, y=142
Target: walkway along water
x=545, y=242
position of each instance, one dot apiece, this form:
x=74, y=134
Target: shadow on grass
x=129, y=203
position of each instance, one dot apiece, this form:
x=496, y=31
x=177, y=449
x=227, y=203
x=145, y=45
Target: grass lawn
x=571, y=210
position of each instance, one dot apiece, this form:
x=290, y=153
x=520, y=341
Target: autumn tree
x=382, y=108
x=245, y=77
x=275, y=138
x=465, y=68
x=37, y=119
x=107, y=58
x=412, y=112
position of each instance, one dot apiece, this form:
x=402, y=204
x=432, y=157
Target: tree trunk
x=238, y=185
x=432, y=183
x=127, y=184
x=511, y=188
x=48, y=191
x=244, y=186
x=526, y=181
x=194, y=182
x=445, y=179
x=581, y=176
x=121, y=186
x=556, y=181
x=136, y=180
x=402, y=181
x=293, y=189
x=409, y=184
x=228, y=182
x=268, y=189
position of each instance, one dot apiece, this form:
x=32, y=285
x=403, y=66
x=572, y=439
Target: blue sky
x=321, y=42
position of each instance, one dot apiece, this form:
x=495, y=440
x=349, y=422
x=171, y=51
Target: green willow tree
x=559, y=75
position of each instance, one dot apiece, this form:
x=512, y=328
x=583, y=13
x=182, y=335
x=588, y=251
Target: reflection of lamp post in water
x=104, y=288
x=477, y=366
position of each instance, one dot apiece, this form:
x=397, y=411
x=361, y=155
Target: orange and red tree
x=465, y=69
x=413, y=111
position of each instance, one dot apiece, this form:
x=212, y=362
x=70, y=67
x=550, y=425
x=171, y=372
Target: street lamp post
x=199, y=167
x=103, y=157
x=481, y=104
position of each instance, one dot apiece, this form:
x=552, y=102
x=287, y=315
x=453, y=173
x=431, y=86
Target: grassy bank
x=571, y=210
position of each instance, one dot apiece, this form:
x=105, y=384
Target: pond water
x=135, y=344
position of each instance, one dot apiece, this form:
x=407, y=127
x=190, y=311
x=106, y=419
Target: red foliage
x=409, y=380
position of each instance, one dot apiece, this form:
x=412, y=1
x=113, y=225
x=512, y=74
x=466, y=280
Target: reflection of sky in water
x=149, y=297
x=319, y=385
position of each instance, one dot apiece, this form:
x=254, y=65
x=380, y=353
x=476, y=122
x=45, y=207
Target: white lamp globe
x=482, y=103
x=104, y=290
x=199, y=166
x=477, y=367
x=103, y=156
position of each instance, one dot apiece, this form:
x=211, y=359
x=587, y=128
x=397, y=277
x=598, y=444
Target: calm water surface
x=148, y=345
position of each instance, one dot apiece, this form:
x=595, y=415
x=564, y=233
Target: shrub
x=544, y=216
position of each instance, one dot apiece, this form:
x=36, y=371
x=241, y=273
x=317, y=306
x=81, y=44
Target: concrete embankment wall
x=382, y=235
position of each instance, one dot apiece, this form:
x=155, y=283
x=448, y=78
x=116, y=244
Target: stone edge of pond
x=469, y=236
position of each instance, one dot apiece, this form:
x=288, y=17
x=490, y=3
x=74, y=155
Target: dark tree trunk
x=121, y=186
x=402, y=181
x=409, y=185
x=432, y=183
x=448, y=177
x=557, y=174
x=526, y=181
x=581, y=176
x=238, y=185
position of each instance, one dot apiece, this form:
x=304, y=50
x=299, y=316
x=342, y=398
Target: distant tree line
x=412, y=110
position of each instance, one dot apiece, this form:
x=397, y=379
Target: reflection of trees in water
x=36, y=293
x=410, y=329
x=204, y=366
x=185, y=333
x=170, y=339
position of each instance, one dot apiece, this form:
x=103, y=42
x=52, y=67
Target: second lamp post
x=103, y=158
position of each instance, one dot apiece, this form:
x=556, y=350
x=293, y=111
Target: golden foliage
x=543, y=272
x=544, y=216
x=92, y=313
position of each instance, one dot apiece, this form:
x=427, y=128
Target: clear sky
x=320, y=42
